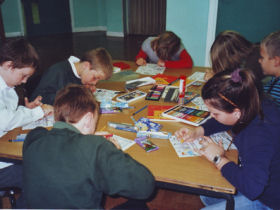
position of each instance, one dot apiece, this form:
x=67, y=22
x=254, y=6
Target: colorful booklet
x=187, y=115
x=132, y=96
x=163, y=79
x=155, y=111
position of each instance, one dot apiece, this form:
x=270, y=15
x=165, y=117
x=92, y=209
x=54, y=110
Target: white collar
x=72, y=60
x=3, y=84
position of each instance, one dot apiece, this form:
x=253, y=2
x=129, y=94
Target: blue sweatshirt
x=258, y=174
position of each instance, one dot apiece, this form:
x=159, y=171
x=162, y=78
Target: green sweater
x=55, y=78
x=66, y=169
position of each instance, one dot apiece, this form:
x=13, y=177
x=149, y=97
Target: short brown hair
x=99, y=59
x=20, y=52
x=229, y=51
x=166, y=45
x=73, y=102
x=272, y=44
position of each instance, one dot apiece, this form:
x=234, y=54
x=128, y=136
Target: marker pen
x=121, y=126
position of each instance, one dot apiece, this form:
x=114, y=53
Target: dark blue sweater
x=258, y=175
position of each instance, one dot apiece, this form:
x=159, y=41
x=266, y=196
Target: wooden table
x=192, y=174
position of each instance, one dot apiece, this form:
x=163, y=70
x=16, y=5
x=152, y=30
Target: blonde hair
x=100, y=60
x=272, y=44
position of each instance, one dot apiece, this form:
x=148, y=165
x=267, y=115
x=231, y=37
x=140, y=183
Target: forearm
x=141, y=54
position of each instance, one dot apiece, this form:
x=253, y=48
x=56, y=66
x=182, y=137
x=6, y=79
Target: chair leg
x=12, y=198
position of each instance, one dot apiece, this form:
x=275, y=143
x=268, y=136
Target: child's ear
x=88, y=119
x=237, y=113
x=86, y=65
x=277, y=61
x=8, y=65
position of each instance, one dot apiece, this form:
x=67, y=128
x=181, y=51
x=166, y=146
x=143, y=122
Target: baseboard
x=89, y=29
x=116, y=34
x=14, y=34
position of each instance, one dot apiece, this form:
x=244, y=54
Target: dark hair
x=20, y=52
x=73, y=102
x=229, y=51
x=272, y=44
x=166, y=45
x=100, y=60
x=224, y=93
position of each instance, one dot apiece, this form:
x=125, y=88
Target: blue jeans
x=240, y=202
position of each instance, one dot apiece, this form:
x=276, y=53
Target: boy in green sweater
x=70, y=168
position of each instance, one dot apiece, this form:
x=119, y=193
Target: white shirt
x=12, y=115
x=72, y=60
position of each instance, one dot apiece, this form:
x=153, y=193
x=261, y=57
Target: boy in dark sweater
x=69, y=167
x=95, y=65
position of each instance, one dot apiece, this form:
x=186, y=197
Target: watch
x=216, y=159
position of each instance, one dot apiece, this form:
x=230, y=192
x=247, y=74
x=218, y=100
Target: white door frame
x=211, y=31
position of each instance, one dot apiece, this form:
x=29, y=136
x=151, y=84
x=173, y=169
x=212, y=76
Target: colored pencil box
x=146, y=144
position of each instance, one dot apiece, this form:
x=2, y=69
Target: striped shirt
x=272, y=88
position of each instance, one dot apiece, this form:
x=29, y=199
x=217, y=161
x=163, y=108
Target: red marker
x=108, y=135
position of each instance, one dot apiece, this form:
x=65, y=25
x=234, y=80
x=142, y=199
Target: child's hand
x=141, y=62
x=48, y=109
x=188, y=135
x=111, y=139
x=115, y=142
x=161, y=63
x=210, y=150
x=33, y=104
x=91, y=87
x=208, y=74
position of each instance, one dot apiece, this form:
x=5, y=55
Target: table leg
x=198, y=191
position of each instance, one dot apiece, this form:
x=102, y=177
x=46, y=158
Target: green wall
x=254, y=19
x=11, y=17
x=114, y=16
x=189, y=20
x=86, y=13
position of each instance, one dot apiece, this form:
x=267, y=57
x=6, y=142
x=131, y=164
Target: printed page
x=44, y=122
x=186, y=149
x=150, y=69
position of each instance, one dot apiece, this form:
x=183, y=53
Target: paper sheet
x=198, y=104
x=199, y=76
x=123, y=142
x=104, y=94
x=150, y=69
x=44, y=122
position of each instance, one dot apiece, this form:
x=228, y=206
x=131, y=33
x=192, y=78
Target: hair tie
x=235, y=76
